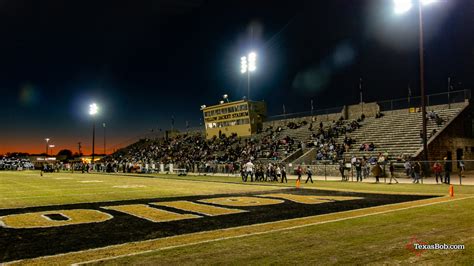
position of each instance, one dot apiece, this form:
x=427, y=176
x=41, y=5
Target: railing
x=388, y=105
x=327, y=111
x=295, y=155
x=431, y=99
x=327, y=170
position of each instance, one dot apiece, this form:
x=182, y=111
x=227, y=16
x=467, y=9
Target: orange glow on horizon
x=36, y=147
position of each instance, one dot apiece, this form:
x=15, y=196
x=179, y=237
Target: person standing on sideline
x=358, y=167
x=437, y=169
x=249, y=169
x=365, y=167
x=299, y=172
x=417, y=172
x=309, y=172
x=407, y=166
x=243, y=174
x=341, y=169
x=461, y=167
x=278, y=173
x=377, y=171
x=447, y=171
x=283, y=174
x=392, y=173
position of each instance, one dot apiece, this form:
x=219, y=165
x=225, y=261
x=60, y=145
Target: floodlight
x=221, y=102
x=203, y=106
x=93, y=109
x=252, y=59
x=247, y=65
x=427, y=2
x=225, y=96
x=402, y=6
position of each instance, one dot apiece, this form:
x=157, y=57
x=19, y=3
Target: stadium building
x=243, y=118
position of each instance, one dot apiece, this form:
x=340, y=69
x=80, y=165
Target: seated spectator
x=372, y=160
x=439, y=120
x=371, y=147
x=432, y=115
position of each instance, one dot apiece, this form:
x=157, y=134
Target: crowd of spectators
x=194, y=150
x=325, y=139
x=14, y=163
x=189, y=150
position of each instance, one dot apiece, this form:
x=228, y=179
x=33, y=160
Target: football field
x=64, y=218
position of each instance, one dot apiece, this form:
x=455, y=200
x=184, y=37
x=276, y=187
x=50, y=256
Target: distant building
x=243, y=118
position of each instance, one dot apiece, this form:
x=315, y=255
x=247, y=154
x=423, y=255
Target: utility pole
x=105, y=150
x=422, y=88
x=79, y=147
x=361, y=96
x=449, y=89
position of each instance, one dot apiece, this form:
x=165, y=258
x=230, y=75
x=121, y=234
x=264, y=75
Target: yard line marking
x=129, y=186
x=152, y=245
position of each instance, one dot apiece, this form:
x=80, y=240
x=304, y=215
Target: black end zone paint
x=18, y=244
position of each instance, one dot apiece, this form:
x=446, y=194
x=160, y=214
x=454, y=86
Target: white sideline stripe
x=130, y=186
x=251, y=234
x=74, y=195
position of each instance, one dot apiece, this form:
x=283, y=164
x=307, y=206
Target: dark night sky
x=144, y=61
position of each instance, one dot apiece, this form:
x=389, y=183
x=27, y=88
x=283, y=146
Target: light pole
x=51, y=149
x=247, y=65
x=402, y=6
x=93, y=109
x=47, y=140
x=105, y=150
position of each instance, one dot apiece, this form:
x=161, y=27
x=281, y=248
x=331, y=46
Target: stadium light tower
x=47, y=140
x=247, y=65
x=400, y=8
x=93, y=110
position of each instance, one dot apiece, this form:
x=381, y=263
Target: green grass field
x=368, y=236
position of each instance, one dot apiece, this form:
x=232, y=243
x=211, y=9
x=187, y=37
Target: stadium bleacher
x=396, y=134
